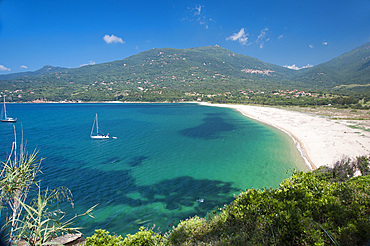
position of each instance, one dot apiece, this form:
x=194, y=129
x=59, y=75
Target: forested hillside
x=44, y=70
x=347, y=71
x=169, y=74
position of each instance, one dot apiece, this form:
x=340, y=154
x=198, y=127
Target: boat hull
x=9, y=120
x=99, y=137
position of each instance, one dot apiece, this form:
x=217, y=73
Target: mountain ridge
x=43, y=70
x=207, y=69
x=346, y=69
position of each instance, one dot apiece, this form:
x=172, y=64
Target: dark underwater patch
x=111, y=188
x=213, y=125
x=137, y=160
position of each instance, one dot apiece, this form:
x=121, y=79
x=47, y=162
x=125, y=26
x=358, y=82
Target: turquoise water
x=169, y=161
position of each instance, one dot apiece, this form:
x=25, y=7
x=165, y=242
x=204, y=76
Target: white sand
x=321, y=141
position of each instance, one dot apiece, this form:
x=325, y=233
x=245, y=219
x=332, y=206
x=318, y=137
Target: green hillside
x=349, y=70
x=176, y=74
x=199, y=68
x=45, y=69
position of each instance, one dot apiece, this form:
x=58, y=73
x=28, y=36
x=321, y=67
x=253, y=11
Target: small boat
x=7, y=118
x=97, y=135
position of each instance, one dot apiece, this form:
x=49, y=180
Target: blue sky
x=72, y=33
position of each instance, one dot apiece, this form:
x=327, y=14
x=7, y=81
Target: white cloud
x=198, y=9
x=281, y=36
x=90, y=63
x=311, y=46
x=294, y=67
x=262, y=33
x=324, y=43
x=112, y=39
x=261, y=38
x=307, y=66
x=3, y=68
x=241, y=36
x=196, y=14
x=200, y=17
x=23, y=66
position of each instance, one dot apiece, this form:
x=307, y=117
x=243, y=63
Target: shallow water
x=169, y=161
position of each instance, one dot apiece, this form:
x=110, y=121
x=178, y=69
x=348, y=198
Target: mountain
x=174, y=67
x=178, y=72
x=45, y=69
x=349, y=70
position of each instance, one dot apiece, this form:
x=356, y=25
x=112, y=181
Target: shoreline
x=298, y=144
x=320, y=141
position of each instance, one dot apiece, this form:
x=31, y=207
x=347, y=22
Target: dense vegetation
x=328, y=206
x=207, y=73
x=348, y=71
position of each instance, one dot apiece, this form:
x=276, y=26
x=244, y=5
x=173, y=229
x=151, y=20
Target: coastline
x=320, y=141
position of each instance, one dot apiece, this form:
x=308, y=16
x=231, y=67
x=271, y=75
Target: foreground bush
x=143, y=237
x=102, y=238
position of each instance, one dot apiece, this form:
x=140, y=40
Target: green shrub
x=144, y=237
x=102, y=238
x=190, y=228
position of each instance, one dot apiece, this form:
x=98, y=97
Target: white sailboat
x=7, y=118
x=97, y=135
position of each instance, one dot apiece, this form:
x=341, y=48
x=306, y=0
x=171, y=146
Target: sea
x=163, y=163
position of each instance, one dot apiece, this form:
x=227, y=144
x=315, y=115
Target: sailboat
x=97, y=135
x=7, y=118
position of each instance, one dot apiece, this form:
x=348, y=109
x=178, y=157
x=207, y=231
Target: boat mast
x=92, y=129
x=97, y=125
x=5, y=117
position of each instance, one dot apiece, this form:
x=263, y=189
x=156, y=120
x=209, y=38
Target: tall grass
x=41, y=220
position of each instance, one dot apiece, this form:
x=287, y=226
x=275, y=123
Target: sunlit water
x=169, y=161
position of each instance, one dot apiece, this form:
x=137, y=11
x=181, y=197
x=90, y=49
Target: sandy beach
x=321, y=141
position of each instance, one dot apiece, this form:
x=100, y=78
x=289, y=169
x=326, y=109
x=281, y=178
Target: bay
x=167, y=163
